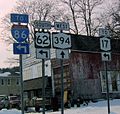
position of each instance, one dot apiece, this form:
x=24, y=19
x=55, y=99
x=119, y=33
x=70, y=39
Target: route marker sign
x=20, y=32
x=61, y=40
x=42, y=39
x=19, y=18
x=105, y=44
x=20, y=48
x=42, y=53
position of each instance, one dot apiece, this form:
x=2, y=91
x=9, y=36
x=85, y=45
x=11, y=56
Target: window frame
x=111, y=74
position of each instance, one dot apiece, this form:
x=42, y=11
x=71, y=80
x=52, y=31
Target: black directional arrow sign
x=62, y=54
x=42, y=53
x=106, y=56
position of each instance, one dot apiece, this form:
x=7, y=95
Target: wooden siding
x=85, y=71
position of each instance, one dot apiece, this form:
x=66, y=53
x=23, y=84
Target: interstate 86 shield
x=20, y=32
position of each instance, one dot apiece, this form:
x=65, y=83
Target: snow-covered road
x=92, y=108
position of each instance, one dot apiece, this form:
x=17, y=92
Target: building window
x=18, y=81
x=113, y=81
x=9, y=81
x=2, y=82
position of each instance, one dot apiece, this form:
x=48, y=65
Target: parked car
x=14, y=102
x=4, y=102
x=37, y=103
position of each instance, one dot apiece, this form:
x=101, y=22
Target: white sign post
x=42, y=45
x=105, y=46
x=61, y=41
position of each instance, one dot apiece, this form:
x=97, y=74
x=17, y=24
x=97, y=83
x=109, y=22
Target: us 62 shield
x=42, y=39
x=20, y=32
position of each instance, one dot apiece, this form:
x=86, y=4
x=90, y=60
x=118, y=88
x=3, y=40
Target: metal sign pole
x=107, y=85
x=62, y=89
x=62, y=86
x=43, y=85
x=21, y=77
x=20, y=47
x=42, y=40
x=105, y=45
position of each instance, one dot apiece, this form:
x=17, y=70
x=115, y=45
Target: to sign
x=105, y=44
x=19, y=18
x=20, y=32
x=61, y=26
x=42, y=24
x=42, y=40
x=61, y=40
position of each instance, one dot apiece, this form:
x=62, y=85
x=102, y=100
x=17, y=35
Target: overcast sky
x=5, y=7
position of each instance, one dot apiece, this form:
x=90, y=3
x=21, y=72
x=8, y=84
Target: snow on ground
x=92, y=108
x=12, y=111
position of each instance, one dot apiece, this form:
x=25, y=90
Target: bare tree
x=80, y=15
x=111, y=18
x=72, y=4
x=37, y=10
x=114, y=26
x=82, y=11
